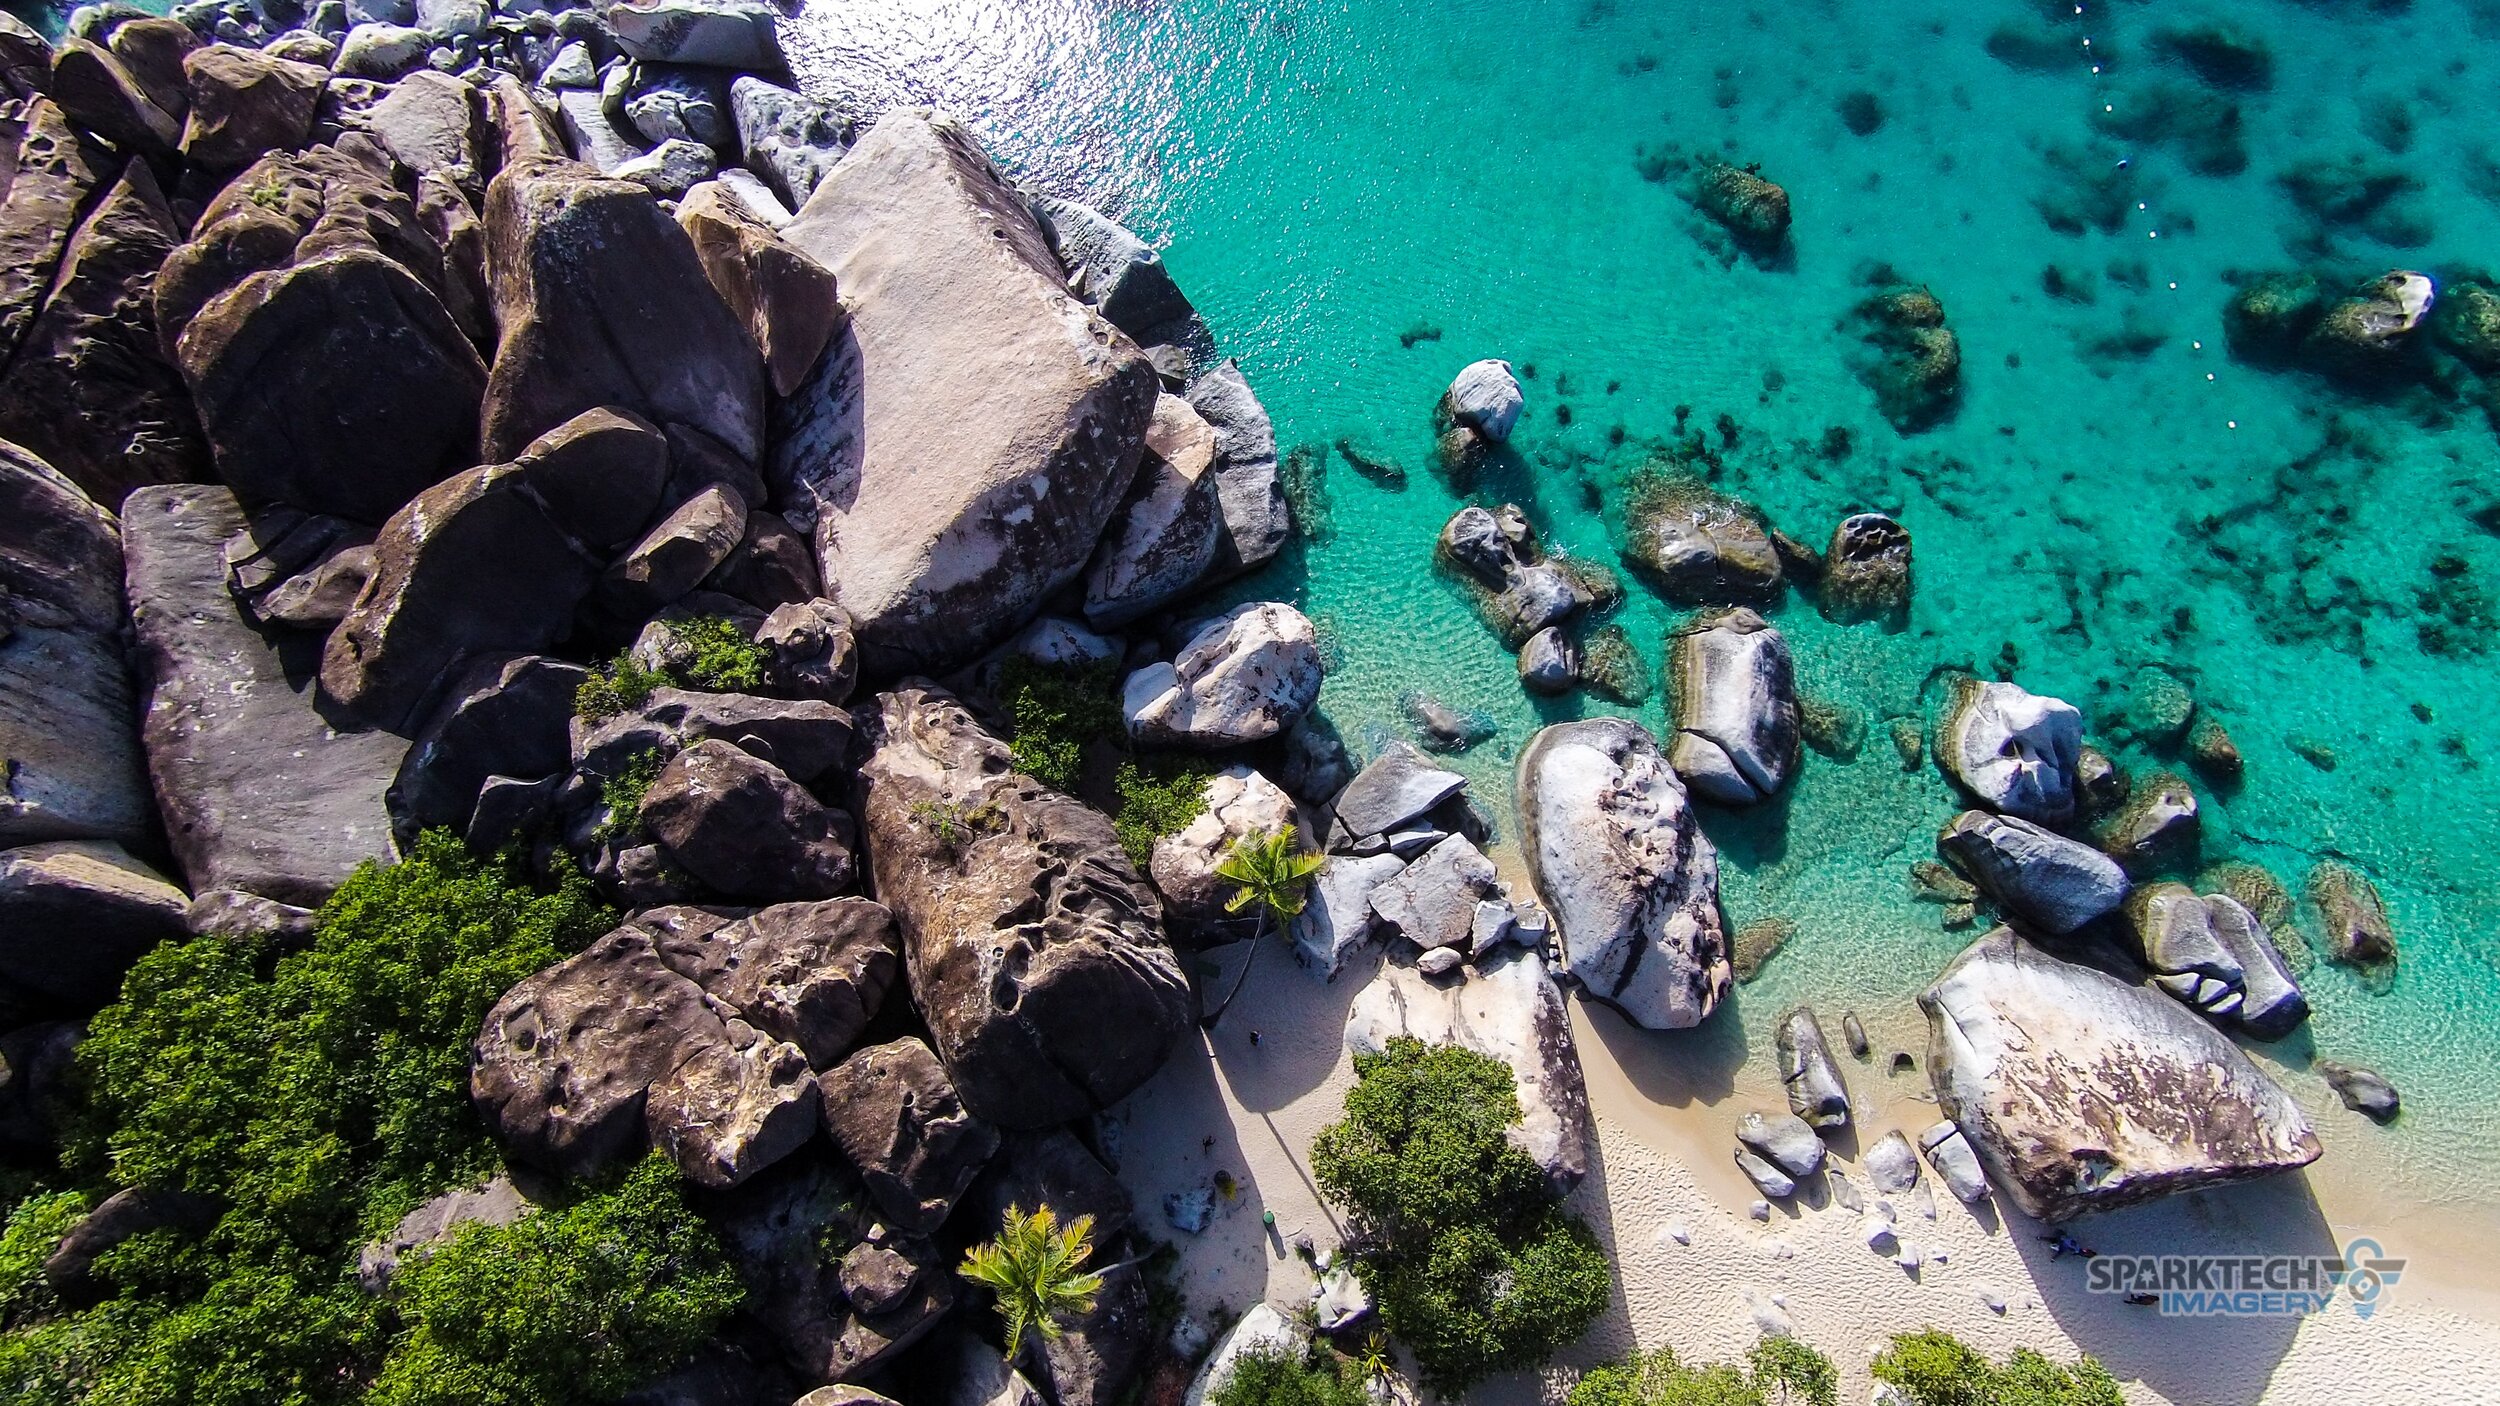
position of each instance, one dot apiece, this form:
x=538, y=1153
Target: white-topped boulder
x=1245, y=676
x=1486, y=398
x=2013, y=750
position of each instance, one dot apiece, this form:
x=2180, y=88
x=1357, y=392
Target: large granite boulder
x=786, y=299
x=310, y=281
x=1816, y=1092
x=2039, y=879
x=1165, y=535
x=711, y=33
x=74, y=914
x=1700, y=546
x=814, y=974
x=1241, y=804
x=88, y=388
x=2012, y=750
x=1485, y=397
x=1433, y=902
x=745, y=829
x=1245, y=676
x=54, y=171
x=1620, y=862
x=1248, y=486
x=1734, y=687
x=2210, y=953
x=1508, y=1010
x=897, y=1118
x=1391, y=795
x=602, y=301
x=262, y=787
x=790, y=140
x=613, y=1049
x=2081, y=1092
x=69, y=722
x=961, y=450
x=245, y=103
x=806, y=738
x=1036, y=953
x=1337, y=916
x=493, y=559
x=104, y=95
x=1518, y=590
x=506, y=715
x=837, y=1294
x=1111, y=268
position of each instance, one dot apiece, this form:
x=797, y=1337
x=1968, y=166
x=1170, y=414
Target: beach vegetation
x=1270, y=873
x=1462, y=1242
x=1276, y=1377
x=1935, y=1368
x=621, y=795
x=1158, y=798
x=708, y=653
x=1036, y=1267
x=1060, y=716
x=1779, y=1371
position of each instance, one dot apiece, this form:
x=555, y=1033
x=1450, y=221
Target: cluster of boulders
x=2384, y=329
x=1909, y=358
x=540, y=425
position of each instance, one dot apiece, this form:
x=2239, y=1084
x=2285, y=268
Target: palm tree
x=1273, y=874
x=1037, y=1268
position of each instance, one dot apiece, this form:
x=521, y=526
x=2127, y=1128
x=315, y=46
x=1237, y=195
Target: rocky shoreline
x=550, y=428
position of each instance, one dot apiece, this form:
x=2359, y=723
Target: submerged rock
x=1510, y=1011
x=1866, y=571
x=1913, y=362
x=2012, y=750
x=1748, y=206
x=1700, y=546
x=2155, y=828
x=1734, y=688
x=2081, y=1092
x=1619, y=860
x=2357, y=932
x=2363, y=333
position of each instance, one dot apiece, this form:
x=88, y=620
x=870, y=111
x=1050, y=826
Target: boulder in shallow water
x=1734, y=687
x=2354, y=917
x=2274, y=1004
x=2364, y=333
x=2174, y=934
x=1549, y=663
x=1509, y=1010
x=1750, y=207
x=1620, y=862
x=2012, y=750
x=961, y=450
x=2155, y=828
x=1485, y=397
x=1245, y=676
x=1699, y=546
x=2364, y=1091
x=2082, y=1092
x=2039, y=878
x=1911, y=360
x=1866, y=571
x=1248, y=486
x=1036, y=952
x=1816, y=1091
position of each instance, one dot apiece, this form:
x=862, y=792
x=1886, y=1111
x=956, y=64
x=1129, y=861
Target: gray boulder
x=837, y=1294
x=1816, y=1091
x=790, y=140
x=2011, y=750
x=814, y=652
x=2364, y=1091
x=506, y=715
x=1700, y=546
x=1248, y=486
x=2273, y=1004
x=745, y=829
x=1891, y=1165
x=69, y=724
x=1009, y=419
x=1036, y=953
x=1620, y=862
x=1399, y=785
x=1164, y=537
x=1766, y=1177
x=2036, y=877
x=2156, y=828
x=261, y=788
x=1509, y=1010
x=1956, y=1165
x=2081, y=1092
x=1113, y=269
x=814, y=974
x=1517, y=590
x=496, y=1201
x=804, y=737
x=1432, y=902
x=594, y=137
x=896, y=1117
x=244, y=103
x=1735, y=701
x=735, y=34
x=1245, y=676
x=1240, y=804
x=381, y=51
x=1549, y=663
x=74, y=914
x=670, y=169
x=1336, y=916
x=1784, y=1139
x=1485, y=397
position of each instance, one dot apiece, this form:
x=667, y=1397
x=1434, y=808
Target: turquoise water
x=2115, y=490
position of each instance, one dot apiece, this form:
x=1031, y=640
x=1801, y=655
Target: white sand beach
x=1696, y=1272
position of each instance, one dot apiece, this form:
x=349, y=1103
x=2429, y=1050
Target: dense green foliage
x=1934, y=1368
x=1058, y=714
x=621, y=795
x=572, y=1305
x=1778, y=1372
x=1156, y=800
x=1466, y=1249
x=1036, y=1267
x=319, y=1094
x=717, y=658
x=1277, y=1378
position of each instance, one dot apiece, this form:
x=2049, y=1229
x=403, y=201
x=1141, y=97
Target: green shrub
x=1158, y=800
x=1274, y=1377
x=580, y=1304
x=320, y=1093
x=618, y=686
x=622, y=795
x=33, y=1232
x=724, y=660
x=1935, y=1368
x=1462, y=1243
x=1779, y=1372
x=1056, y=712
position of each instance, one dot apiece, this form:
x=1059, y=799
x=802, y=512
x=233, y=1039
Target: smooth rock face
x=2080, y=1092
x=744, y=828
x=245, y=103
x=896, y=1116
x=2156, y=828
x=786, y=299
x=1036, y=953
x=2274, y=1005
x=260, y=787
x=74, y=914
x=496, y=1202
x=2174, y=934
x=1433, y=902
x=54, y=170
x=1247, y=484
x=1956, y=1165
x=1618, y=859
x=790, y=140
x=1398, y=786
x=1816, y=1091
x=1766, y=1177
x=961, y=450
x=1261, y=1331
x=1110, y=267
x=1337, y=918
x=2013, y=751
x=1240, y=804
x=507, y=715
x=602, y=302
x=2037, y=877
x=1891, y=1165
x=2364, y=1091
x=1786, y=1140
x=1523, y=593
x=1735, y=695
x=68, y=717
x=1165, y=535
x=1245, y=676
x=712, y=33
x=1509, y=1010
x=1486, y=398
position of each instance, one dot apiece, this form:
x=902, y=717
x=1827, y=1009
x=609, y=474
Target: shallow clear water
x=2115, y=490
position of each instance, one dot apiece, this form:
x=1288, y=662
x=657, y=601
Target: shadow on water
x=1752, y=838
